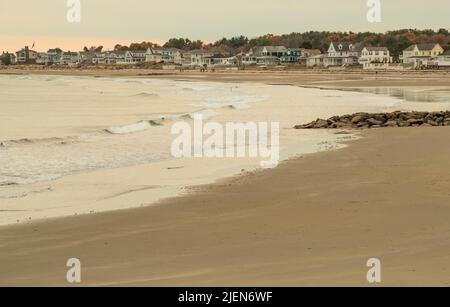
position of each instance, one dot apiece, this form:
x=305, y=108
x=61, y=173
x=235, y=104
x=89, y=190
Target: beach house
x=343, y=54
x=198, y=57
x=105, y=58
x=420, y=54
x=52, y=56
x=224, y=60
x=154, y=55
x=375, y=57
x=136, y=56
x=270, y=55
x=70, y=58
x=26, y=55
x=292, y=56
x=440, y=61
x=315, y=60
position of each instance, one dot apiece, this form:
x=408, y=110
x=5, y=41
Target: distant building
x=315, y=60
x=374, y=55
x=52, y=56
x=68, y=58
x=420, y=54
x=440, y=61
x=136, y=56
x=26, y=55
x=224, y=60
x=87, y=57
x=165, y=55
x=154, y=55
x=309, y=53
x=199, y=57
x=109, y=58
x=292, y=56
x=269, y=56
x=343, y=54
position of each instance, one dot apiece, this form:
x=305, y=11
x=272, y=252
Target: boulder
x=374, y=122
x=321, y=123
x=356, y=119
x=391, y=123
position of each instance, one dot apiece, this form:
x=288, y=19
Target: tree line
x=396, y=41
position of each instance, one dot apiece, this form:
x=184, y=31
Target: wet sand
x=315, y=220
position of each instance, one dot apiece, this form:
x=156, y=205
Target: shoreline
x=314, y=220
x=303, y=78
x=148, y=180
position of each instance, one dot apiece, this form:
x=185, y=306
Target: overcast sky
x=105, y=22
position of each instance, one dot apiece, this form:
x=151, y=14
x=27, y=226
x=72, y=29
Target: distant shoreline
x=306, y=78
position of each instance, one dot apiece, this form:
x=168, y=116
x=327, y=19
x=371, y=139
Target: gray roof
x=422, y=47
x=346, y=46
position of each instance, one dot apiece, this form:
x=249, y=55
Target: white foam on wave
x=136, y=127
x=235, y=102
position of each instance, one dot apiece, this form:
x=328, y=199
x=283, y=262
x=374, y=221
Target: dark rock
x=377, y=120
x=374, y=122
x=321, y=123
x=391, y=123
x=356, y=119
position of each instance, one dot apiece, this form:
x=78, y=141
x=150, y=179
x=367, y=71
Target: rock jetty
x=379, y=120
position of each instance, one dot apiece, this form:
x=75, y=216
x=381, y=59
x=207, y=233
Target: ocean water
x=54, y=126
x=409, y=94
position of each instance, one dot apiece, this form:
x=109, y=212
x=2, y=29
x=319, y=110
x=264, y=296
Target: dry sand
x=312, y=221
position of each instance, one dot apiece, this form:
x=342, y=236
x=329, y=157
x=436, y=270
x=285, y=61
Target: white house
x=343, y=53
x=69, y=57
x=109, y=58
x=198, y=57
x=224, y=60
x=315, y=60
x=154, y=55
x=374, y=55
x=164, y=55
x=52, y=56
x=136, y=56
x=440, y=61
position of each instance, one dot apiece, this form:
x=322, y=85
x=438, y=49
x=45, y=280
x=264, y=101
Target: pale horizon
x=157, y=22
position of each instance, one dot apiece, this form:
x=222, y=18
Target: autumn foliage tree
x=396, y=41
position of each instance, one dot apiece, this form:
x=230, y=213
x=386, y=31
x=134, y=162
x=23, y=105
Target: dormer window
x=350, y=47
x=340, y=47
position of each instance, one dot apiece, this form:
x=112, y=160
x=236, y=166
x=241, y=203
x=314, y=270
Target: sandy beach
x=314, y=220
